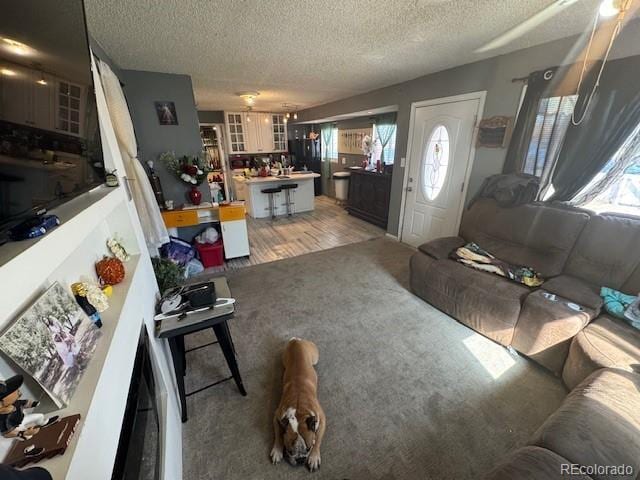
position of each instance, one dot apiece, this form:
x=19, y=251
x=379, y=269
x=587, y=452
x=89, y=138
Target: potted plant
x=168, y=273
x=192, y=170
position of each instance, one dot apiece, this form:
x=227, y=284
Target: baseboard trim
x=391, y=236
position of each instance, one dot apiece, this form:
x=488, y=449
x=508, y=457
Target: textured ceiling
x=311, y=52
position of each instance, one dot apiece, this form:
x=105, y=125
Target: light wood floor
x=328, y=226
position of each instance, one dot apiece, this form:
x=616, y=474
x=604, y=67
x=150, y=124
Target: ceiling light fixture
x=16, y=47
x=610, y=8
x=249, y=97
x=7, y=72
x=295, y=116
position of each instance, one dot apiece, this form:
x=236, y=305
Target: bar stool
x=287, y=187
x=272, y=204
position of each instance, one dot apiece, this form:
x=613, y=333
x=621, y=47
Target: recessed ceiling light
x=7, y=72
x=16, y=47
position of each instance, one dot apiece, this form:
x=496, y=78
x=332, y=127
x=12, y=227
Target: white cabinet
x=235, y=238
x=42, y=107
x=260, y=132
x=25, y=98
x=236, y=131
x=278, y=132
x=69, y=107
x=33, y=98
x=13, y=96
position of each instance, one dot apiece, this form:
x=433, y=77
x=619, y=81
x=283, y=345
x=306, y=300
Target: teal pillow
x=615, y=302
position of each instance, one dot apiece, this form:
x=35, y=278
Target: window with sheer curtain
x=389, y=149
x=329, y=139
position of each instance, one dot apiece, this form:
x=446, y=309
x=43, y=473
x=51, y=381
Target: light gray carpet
x=409, y=393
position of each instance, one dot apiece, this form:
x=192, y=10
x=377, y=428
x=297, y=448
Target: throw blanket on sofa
x=475, y=257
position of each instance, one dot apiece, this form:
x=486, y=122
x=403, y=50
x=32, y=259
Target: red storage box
x=211, y=254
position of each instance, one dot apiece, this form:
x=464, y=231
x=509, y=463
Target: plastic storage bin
x=211, y=254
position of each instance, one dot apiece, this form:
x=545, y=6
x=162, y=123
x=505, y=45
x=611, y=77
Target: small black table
x=174, y=329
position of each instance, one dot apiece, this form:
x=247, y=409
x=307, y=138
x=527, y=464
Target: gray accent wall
x=142, y=90
x=493, y=75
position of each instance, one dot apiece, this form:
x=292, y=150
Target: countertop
x=292, y=178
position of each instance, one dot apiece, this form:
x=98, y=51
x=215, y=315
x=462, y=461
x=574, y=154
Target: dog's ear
x=313, y=423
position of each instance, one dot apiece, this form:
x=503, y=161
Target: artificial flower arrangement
x=118, y=251
x=368, y=147
x=192, y=170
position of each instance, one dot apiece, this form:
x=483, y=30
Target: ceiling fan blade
x=526, y=26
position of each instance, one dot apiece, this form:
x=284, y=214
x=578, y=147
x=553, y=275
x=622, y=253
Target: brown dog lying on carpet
x=299, y=421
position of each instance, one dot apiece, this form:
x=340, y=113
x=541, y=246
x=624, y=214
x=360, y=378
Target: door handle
x=409, y=189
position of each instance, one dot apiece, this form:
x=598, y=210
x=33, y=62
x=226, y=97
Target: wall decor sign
x=166, y=113
x=53, y=341
x=350, y=140
x=494, y=132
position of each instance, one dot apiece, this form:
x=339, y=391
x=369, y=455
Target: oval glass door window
x=436, y=162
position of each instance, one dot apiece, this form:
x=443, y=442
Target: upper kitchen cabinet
x=236, y=132
x=279, y=132
x=36, y=99
x=256, y=132
x=26, y=98
x=69, y=107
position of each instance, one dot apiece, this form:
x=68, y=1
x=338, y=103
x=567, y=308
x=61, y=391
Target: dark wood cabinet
x=369, y=194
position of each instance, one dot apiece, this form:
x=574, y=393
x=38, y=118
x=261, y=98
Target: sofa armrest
x=441, y=248
x=573, y=288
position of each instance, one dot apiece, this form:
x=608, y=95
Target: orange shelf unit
x=229, y=213
x=180, y=218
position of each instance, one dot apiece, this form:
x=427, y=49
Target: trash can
x=341, y=184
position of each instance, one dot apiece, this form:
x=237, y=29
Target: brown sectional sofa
x=598, y=424
x=577, y=252
x=598, y=356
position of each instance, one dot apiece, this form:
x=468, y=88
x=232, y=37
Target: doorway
x=440, y=154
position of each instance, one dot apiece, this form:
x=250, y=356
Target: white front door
x=438, y=163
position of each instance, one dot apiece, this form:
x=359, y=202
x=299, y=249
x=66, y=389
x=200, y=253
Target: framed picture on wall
x=166, y=113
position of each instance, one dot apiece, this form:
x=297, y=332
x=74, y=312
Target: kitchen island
x=257, y=203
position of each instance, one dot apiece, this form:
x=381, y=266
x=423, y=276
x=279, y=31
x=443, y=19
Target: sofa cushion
x=632, y=285
x=575, y=289
x=521, y=235
x=606, y=342
x=485, y=302
x=532, y=463
x=606, y=253
x=545, y=329
x=441, y=248
x=598, y=423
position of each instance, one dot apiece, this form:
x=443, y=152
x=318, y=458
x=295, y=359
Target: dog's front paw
x=313, y=461
x=276, y=454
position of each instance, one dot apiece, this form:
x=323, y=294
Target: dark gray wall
x=142, y=90
x=492, y=75
x=211, y=116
